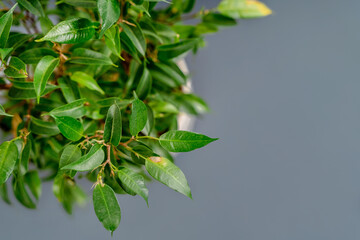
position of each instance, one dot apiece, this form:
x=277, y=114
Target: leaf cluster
x=93, y=89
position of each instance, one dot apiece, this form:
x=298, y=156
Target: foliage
x=94, y=86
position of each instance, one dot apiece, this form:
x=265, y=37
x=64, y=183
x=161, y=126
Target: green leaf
x=16, y=68
x=4, y=193
x=219, y=19
x=25, y=156
x=43, y=71
x=5, y=25
x=8, y=157
x=138, y=116
x=70, y=154
x=243, y=9
x=133, y=181
x=90, y=57
x=33, y=6
x=168, y=74
x=89, y=161
x=70, y=127
x=144, y=86
x=110, y=12
x=33, y=180
x=69, y=89
x=168, y=173
x=4, y=52
x=113, y=125
x=41, y=127
x=112, y=40
x=75, y=109
x=135, y=35
x=21, y=194
x=81, y=3
x=169, y=51
x=34, y=55
x=3, y=113
x=25, y=90
x=87, y=81
x=106, y=207
x=183, y=141
x=71, y=31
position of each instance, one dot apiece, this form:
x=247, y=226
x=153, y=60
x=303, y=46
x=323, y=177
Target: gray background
x=285, y=97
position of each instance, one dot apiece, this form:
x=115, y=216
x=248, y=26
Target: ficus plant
x=93, y=89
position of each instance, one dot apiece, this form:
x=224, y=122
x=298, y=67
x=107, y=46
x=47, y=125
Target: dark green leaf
x=69, y=89
x=144, y=86
x=75, y=109
x=8, y=157
x=71, y=31
x=173, y=50
x=168, y=173
x=41, y=127
x=138, y=116
x=81, y=3
x=135, y=35
x=133, y=181
x=34, y=55
x=89, y=57
x=26, y=90
x=183, y=141
x=113, y=125
x=70, y=154
x=110, y=12
x=43, y=70
x=5, y=25
x=33, y=180
x=4, y=193
x=21, y=194
x=89, y=161
x=219, y=19
x=106, y=207
x=70, y=127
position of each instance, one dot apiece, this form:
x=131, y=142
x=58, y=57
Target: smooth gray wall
x=285, y=94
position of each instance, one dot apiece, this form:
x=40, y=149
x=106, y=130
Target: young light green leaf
x=89, y=161
x=135, y=35
x=33, y=6
x=134, y=182
x=43, y=70
x=5, y=25
x=41, y=127
x=70, y=127
x=3, y=113
x=183, y=141
x=8, y=156
x=89, y=57
x=110, y=12
x=33, y=180
x=112, y=40
x=34, y=55
x=74, y=109
x=87, y=81
x=16, y=68
x=106, y=207
x=71, y=31
x=169, y=51
x=4, y=52
x=243, y=9
x=168, y=173
x=113, y=125
x=218, y=19
x=138, y=116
